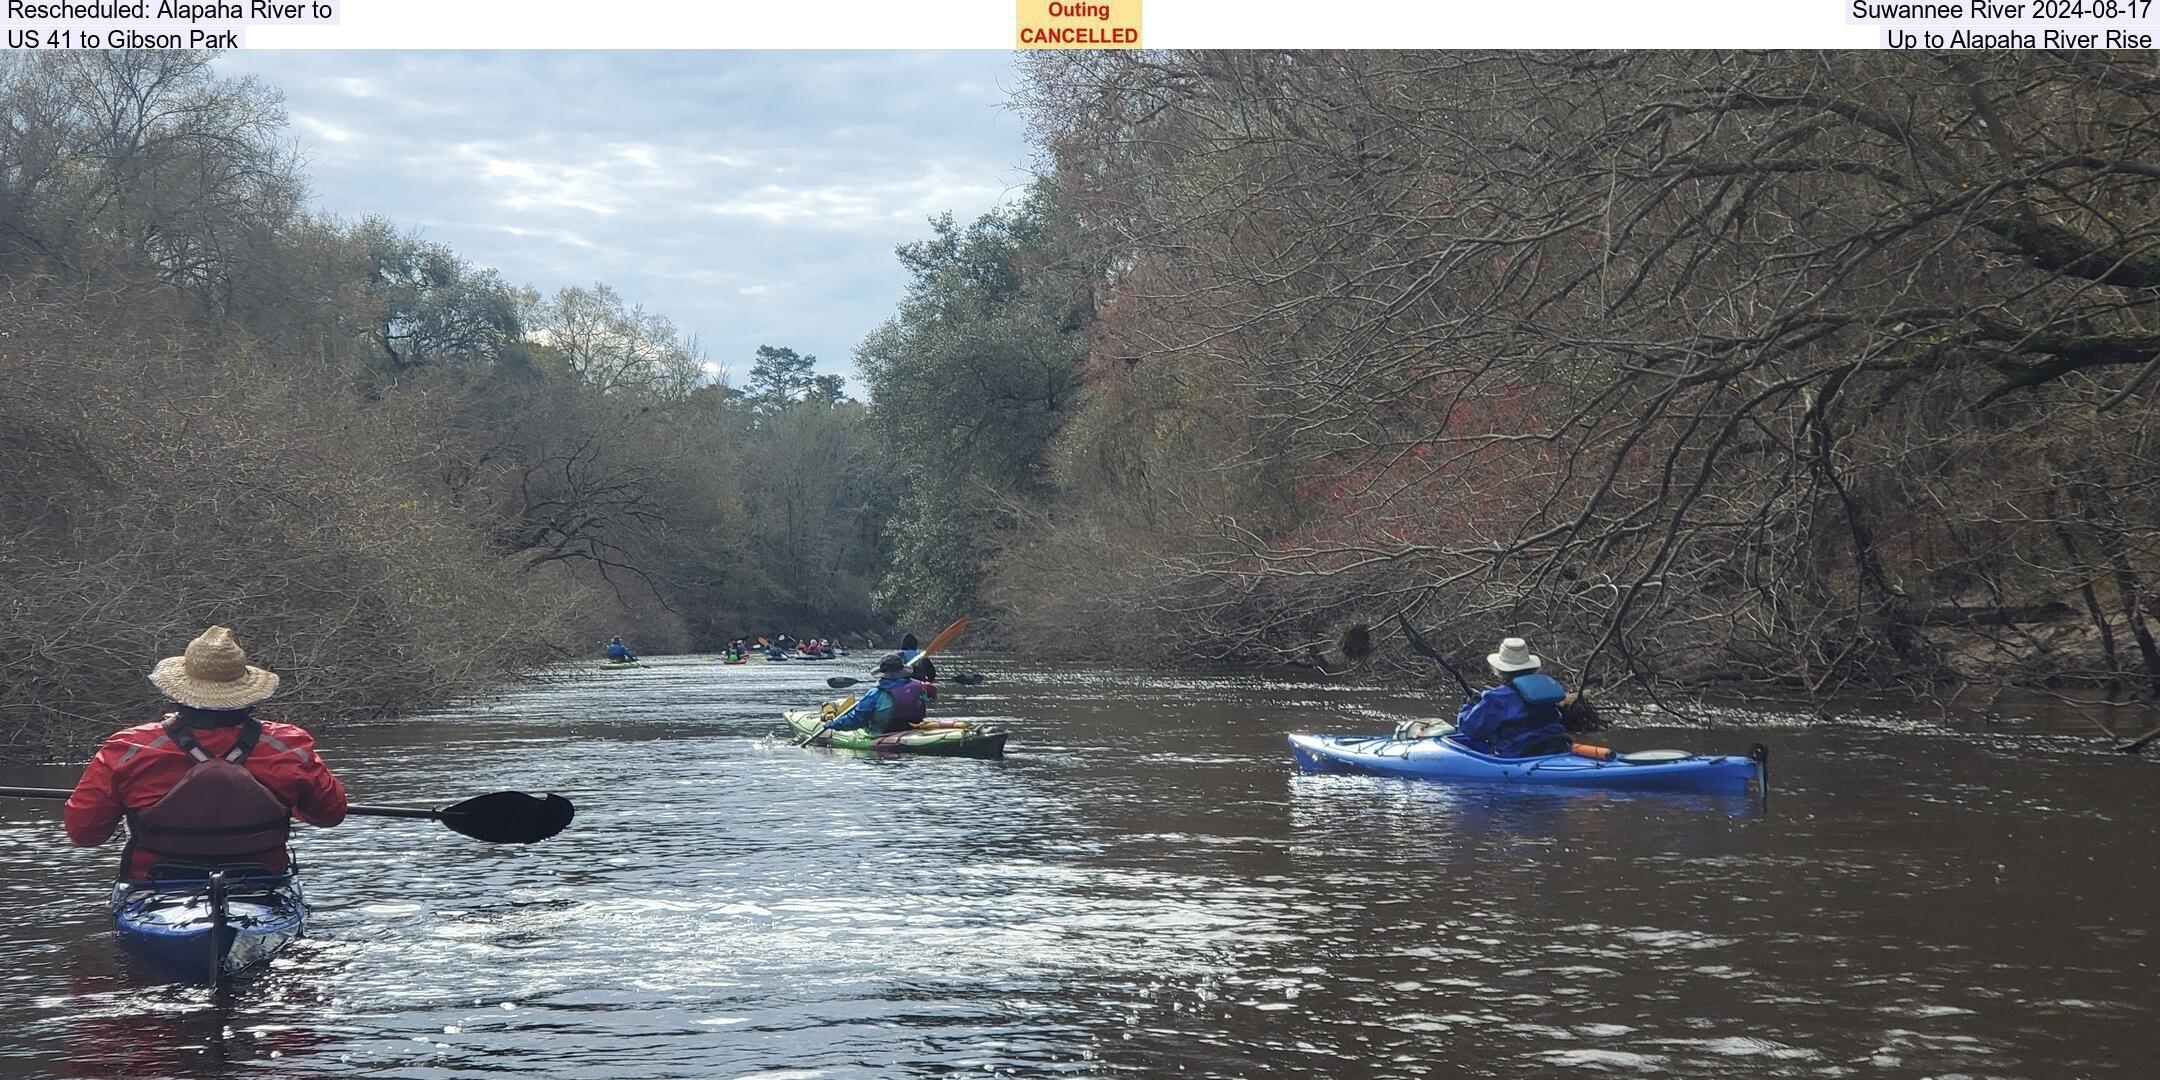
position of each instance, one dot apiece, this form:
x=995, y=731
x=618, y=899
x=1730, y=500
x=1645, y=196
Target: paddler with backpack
x=899, y=702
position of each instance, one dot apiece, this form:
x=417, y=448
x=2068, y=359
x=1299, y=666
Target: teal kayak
x=1444, y=758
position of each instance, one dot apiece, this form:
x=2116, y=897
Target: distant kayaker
x=1521, y=717
x=619, y=653
x=923, y=668
x=899, y=702
x=209, y=785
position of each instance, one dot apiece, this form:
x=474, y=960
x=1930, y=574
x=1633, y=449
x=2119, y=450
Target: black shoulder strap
x=183, y=736
x=250, y=734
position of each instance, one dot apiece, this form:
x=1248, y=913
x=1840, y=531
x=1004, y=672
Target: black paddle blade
x=841, y=682
x=510, y=817
x=1418, y=645
x=970, y=679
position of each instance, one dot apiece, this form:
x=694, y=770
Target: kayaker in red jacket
x=208, y=785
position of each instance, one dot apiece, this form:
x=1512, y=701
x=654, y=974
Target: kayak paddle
x=1418, y=645
x=945, y=637
x=504, y=817
x=842, y=682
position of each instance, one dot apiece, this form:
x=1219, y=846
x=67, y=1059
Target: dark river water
x=1144, y=888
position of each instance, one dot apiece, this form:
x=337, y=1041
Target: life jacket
x=1541, y=693
x=909, y=704
x=919, y=665
x=217, y=815
x=1540, y=731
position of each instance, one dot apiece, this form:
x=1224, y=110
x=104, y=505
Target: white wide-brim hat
x=1514, y=655
x=213, y=674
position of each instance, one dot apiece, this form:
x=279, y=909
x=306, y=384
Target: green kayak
x=974, y=742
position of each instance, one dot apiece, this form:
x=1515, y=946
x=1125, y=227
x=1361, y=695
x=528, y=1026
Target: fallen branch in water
x=2137, y=745
x=2122, y=745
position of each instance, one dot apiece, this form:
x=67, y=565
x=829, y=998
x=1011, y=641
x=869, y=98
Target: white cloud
x=858, y=206
x=322, y=128
x=527, y=185
x=705, y=186
x=560, y=236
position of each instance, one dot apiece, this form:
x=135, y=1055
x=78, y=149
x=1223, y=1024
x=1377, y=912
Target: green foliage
x=781, y=378
x=433, y=307
x=972, y=380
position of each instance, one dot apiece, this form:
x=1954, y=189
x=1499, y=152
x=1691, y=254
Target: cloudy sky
x=754, y=198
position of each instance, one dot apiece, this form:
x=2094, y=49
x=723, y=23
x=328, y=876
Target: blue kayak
x=201, y=933
x=1443, y=758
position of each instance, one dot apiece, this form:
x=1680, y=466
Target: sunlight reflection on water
x=1144, y=887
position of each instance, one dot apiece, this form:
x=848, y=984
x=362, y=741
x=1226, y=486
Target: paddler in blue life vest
x=899, y=702
x=1521, y=717
x=619, y=653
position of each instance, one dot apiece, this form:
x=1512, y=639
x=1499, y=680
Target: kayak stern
x=177, y=925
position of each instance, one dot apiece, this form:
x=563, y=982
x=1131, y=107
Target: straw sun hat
x=213, y=674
